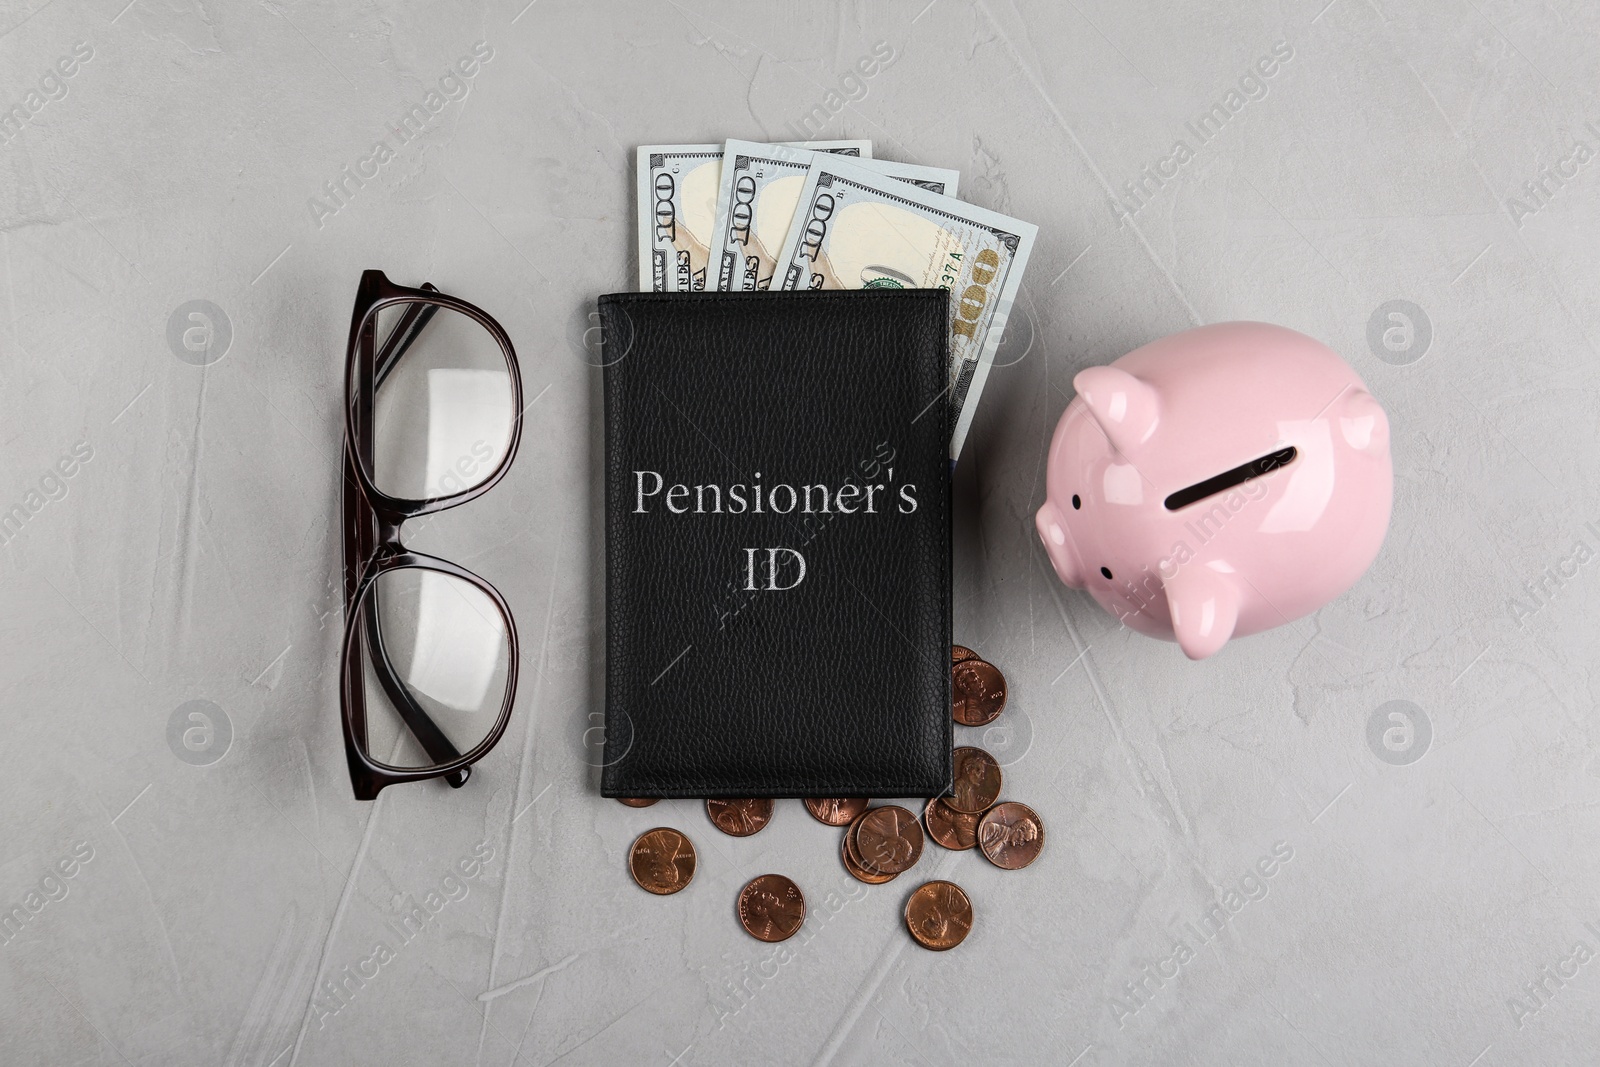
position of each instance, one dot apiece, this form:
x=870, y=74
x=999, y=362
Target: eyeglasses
x=433, y=417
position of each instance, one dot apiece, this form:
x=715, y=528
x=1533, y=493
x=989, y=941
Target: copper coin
x=740, y=818
x=852, y=842
x=959, y=653
x=662, y=860
x=1011, y=835
x=939, y=915
x=850, y=847
x=858, y=872
x=979, y=692
x=771, y=908
x=836, y=812
x=977, y=781
x=955, y=830
x=638, y=802
x=888, y=840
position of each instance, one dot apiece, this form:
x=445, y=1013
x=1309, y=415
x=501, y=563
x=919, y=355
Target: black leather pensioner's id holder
x=777, y=544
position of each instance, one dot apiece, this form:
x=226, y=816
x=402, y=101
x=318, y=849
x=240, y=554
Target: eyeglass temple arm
x=422, y=727
x=412, y=322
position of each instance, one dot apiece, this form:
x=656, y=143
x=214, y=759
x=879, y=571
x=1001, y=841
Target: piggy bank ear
x=1126, y=408
x=1205, y=608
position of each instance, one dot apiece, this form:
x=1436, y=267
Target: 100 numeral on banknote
x=857, y=230
x=677, y=189
x=760, y=190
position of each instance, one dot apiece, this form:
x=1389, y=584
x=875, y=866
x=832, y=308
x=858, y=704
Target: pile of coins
x=880, y=843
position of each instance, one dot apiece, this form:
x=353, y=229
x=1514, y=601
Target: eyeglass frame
x=371, y=521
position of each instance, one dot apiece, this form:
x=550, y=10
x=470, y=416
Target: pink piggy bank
x=1217, y=482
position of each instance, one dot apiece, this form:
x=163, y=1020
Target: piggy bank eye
x=1076, y=503
x=1106, y=571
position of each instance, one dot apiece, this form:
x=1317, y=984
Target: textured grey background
x=192, y=557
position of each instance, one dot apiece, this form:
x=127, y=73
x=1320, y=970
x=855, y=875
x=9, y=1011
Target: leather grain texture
x=839, y=686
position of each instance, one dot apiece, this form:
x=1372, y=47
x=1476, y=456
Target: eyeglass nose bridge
x=387, y=534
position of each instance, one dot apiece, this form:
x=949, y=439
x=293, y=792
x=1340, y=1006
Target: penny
x=739, y=818
x=955, y=830
x=850, y=847
x=888, y=840
x=939, y=915
x=977, y=781
x=978, y=691
x=858, y=872
x=852, y=839
x=1011, y=835
x=662, y=860
x=836, y=812
x=771, y=908
x=638, y=802
x=959, y=653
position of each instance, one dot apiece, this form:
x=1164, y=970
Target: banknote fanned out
x=854, y=229
x=745, y=217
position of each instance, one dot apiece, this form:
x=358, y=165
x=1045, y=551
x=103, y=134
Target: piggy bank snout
x=1057, y=540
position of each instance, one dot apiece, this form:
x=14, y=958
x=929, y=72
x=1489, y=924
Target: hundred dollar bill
x=933, y=179
x=677, y=191
x=759, y=191
x=859, y=230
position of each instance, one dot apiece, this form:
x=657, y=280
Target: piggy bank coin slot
x=1221, y=483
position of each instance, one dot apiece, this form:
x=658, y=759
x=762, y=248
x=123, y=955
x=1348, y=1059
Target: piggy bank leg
x=1058, y=545
x=1363, y=423
x=1205, y=608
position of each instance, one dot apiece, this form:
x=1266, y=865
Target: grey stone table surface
x=1413, y=183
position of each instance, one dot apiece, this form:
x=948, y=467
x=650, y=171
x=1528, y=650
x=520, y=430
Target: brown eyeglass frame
x=372, y=546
